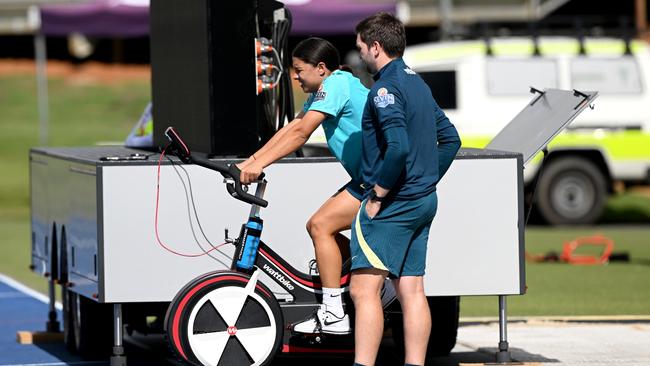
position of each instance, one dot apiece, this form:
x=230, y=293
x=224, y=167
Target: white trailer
x=100, y=228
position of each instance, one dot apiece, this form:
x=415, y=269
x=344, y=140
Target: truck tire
x=92, y=324
x=572, y=191
x=445, y=312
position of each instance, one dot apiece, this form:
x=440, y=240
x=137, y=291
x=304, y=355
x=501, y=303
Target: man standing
x=408, y=144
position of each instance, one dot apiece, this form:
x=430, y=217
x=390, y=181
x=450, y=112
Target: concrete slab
x=565, y=343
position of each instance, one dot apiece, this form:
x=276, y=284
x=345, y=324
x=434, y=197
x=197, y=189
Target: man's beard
x=371, y=69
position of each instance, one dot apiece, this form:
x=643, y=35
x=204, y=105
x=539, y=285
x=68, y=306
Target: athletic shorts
x=355, y=188
x=395, y=240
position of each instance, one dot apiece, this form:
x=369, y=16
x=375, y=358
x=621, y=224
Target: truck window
x=515, y=77
x=607, y=76
x=443, y=87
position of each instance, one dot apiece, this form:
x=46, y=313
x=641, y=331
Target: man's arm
x=389, y=110
x=397, y=150
x=448, y=143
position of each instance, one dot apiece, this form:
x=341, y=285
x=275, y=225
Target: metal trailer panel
x=138, y=268
x=82, y=224
x=38, y=195
x=64, y=203
x=476, y=242
x=540, y=121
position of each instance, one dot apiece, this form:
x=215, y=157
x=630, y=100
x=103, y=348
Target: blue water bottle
x=251, y=239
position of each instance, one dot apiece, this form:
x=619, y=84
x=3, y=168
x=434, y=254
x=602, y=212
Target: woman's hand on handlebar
x=249, y=171
x=245, y=163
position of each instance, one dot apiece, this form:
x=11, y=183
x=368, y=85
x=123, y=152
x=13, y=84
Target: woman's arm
x=276, y=137
x=291, y=140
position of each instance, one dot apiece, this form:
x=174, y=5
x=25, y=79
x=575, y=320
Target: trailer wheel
x=92, y=324
x=218, y=320
x=68, y=326
x=445, y=313
x=571, y=191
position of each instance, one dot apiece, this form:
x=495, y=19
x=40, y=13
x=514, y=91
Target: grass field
x=86, y=113
x=617, y=288
x=82, y=112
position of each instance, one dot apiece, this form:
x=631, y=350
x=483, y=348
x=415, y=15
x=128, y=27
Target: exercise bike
x=229, y=317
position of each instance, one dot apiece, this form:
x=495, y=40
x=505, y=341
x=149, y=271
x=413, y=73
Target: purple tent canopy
x=323, y=17
x=99, y=18
x=130, y=18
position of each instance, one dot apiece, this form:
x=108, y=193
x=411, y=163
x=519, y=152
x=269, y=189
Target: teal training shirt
x=342, y=98
x=408, y=141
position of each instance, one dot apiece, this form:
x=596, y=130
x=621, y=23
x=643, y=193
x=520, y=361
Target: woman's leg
x=330, y=246
x=324, y=227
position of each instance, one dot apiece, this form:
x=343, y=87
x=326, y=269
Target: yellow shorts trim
x=370, y=255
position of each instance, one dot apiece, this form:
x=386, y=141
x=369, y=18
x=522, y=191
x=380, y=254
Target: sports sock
x=332, y=301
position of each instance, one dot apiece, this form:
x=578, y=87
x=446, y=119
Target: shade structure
x=97, y=18
x=331, y=17
x=130, y=18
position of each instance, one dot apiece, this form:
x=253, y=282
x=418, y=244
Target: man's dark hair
x=314, y=50
x=385, y=29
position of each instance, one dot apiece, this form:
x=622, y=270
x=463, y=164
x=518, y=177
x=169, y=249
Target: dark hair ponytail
x=314, y=50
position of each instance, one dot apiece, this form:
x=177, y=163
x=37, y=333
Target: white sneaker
x=323, y=321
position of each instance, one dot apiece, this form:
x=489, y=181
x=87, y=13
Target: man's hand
x=372, y=208
x=249, y=172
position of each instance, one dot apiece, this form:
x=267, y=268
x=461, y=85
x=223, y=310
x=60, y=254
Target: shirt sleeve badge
x=320, y=94
x=383, y=98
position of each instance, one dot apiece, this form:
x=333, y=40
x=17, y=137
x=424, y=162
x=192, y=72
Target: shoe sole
x=344, y=332
x=332, y=332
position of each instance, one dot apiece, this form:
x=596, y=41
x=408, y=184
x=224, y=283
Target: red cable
x=162, y=155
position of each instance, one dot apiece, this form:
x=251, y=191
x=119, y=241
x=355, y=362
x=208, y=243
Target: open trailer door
x=544, y=118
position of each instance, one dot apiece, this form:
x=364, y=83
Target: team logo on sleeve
x=320, y=94
x=383, y=98
x=409, y=71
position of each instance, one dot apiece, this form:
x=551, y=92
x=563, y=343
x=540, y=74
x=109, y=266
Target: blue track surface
x=21, y=311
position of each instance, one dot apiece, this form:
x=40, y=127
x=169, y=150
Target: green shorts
x=355, y=188
x=395, y=240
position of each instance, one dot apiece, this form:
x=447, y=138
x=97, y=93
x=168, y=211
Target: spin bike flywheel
x=225, y=318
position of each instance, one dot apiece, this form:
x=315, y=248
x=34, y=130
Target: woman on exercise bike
x=337, y=99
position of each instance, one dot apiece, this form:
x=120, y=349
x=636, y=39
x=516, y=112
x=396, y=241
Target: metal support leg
x=53, y=325
x=503, y=355
x=118, y=358
x=41, y=86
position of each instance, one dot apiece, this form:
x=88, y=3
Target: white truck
x=482, y=85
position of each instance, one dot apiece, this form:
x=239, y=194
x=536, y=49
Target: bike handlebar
x=231, y=171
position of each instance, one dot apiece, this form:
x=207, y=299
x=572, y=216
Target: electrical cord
x=278, y=58
x=189, y=199
x=167, y=248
